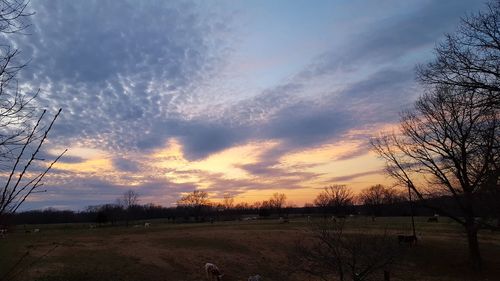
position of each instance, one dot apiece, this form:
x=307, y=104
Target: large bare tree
x=196, y=201
x=196, y=198
x=334, y=198
x=447, y=145
x=277, y=202
x=24, y=127
x=469, y=58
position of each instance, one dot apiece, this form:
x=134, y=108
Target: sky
x=246, y=98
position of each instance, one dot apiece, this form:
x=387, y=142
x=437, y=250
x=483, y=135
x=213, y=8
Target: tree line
x=334, y=200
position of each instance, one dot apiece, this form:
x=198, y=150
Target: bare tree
x=374, y=197
x=23, y=128
x=128, y=199
x=277, y=202
x=228, y=201
x=470, y=57
x=447, y=145
x=330, y=253
x=196, y=201
x=334, y=198
x=14, y=16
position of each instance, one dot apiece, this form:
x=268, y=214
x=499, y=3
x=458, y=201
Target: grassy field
x=179, y=251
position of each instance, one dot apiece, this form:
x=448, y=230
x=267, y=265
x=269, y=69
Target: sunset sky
x=240, y=97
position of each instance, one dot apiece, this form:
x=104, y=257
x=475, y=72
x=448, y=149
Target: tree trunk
x=474, y=253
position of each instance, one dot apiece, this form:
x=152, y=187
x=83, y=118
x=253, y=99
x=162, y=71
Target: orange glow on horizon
x=299, y=174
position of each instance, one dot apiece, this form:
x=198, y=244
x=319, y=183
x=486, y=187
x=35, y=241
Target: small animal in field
x=3, y=231
x=147, y=225
x=407, y=239
x=213, y=272
x=254, y=278
x=36, y=230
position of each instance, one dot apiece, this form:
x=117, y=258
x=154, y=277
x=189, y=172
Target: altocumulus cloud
x=123, y=73
x=126, y=75
x=117, y=69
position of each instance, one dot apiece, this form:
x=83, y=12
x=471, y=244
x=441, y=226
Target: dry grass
x=240, y=249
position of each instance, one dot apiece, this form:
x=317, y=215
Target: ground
x=178, y=252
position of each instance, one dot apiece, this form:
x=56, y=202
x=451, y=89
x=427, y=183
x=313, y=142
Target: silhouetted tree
x=277, y=202
x=128, y=200
x=334, y=199
x=376, y=196
x=469, y=59
x=228, y=201
x=447, y=145
x=23, y=126
x=451, y=136
x=195, y=201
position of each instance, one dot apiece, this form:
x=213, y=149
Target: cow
x=213, y=272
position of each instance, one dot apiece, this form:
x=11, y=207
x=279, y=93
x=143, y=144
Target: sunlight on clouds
x=97, y=165
x=320, y=154
x=225, y=162
x=83, y=152
x=94, y=160
x=241, y=170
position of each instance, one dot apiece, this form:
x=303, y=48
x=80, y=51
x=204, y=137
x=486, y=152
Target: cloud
x=128, y=77
x=376, y=96
x=353, y=176
x=125, y=165
x=392, y=38
x=124, y=73
x=117, y=70
x=79, y=190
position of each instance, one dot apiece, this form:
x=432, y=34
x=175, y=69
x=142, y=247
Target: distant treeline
x=109, y=214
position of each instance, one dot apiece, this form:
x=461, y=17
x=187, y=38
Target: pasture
x=168, y=251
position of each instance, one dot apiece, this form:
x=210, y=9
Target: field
x=241, y=248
